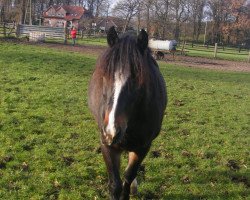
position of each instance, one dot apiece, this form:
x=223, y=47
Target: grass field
x=97, y=41
x=226, y=54
x=49, y=141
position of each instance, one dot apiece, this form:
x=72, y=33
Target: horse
x=127, y=97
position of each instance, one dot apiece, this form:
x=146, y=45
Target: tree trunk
x=138, y=22
x=51, y=2
x=128, y=18
x=22, y=11
x=198, y=30
x=177, y=30
x=147, y=19
x=2, y=14
x=194, y=30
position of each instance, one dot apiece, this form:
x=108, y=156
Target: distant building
x=103, y=24
x=57, y=16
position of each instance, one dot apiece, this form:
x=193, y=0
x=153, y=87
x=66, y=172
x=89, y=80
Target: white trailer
x=160, y=47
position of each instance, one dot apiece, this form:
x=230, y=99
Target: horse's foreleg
x=133, y=187
x=112, y=160
x=135, y=159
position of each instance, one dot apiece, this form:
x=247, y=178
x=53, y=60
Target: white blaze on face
x=119, y=83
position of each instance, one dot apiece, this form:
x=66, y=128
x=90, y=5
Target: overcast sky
x=113, y=2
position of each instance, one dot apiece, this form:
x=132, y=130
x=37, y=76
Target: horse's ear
x=142, y=40
x=112, y=36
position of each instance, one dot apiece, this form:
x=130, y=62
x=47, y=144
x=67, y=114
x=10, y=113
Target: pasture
x=228, y=53
x=49, y=143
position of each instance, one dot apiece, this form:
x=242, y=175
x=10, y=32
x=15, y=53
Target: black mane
x=126, y=56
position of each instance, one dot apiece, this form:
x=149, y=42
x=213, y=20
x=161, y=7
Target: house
x=57, y=16
x=103, y=24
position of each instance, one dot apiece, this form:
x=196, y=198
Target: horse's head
x=123, y=82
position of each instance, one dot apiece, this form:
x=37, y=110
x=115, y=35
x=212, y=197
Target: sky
x=113, y=2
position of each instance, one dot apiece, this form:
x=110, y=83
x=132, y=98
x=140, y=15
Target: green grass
x=49, y=140
x=83, y=41
x=93, y=41
x=231, y=54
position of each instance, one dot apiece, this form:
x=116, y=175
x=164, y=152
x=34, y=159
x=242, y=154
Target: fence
x=216, y=51
x=7, y=29
x=49, y=32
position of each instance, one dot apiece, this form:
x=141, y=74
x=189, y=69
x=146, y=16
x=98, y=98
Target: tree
x=196, y=10
x=180, y=14
x=237, y=24
x=162, y=15
x=126, y=9
x=218, y=14
x=148, y=4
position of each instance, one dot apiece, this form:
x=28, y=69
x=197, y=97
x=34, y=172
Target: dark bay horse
x=127, y=96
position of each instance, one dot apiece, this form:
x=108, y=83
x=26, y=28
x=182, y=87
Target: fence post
x=17, y=30
x=4, y=29
x=249, y=56
x=183, y=47
x=240, y=48
x=65, y=33
x=215, y=50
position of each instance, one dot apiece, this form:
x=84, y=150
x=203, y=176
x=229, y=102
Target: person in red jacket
x=73, y=33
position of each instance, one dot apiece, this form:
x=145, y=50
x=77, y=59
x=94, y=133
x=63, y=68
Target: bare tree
x=101, y=7
x=126, y=9
x=218, y=14
x=2, y=10
x=148, y=4
x=196, y=10
x=162, y=10
x=180, y=10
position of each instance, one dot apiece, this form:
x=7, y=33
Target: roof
x=72, y=12
x=115, y=21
